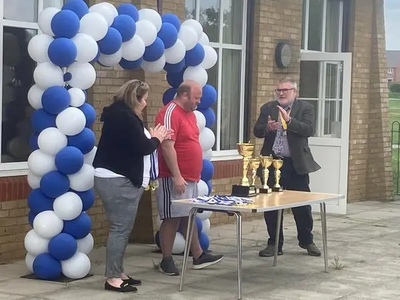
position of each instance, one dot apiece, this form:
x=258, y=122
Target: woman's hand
x=159, y=132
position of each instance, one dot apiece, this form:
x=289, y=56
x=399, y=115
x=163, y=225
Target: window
x=390, y=71
x=19, y=24
x=224, y=21
x=323, y=25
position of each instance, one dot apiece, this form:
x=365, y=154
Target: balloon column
x=61, y=174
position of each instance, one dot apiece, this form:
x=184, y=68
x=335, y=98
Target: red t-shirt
x=187, y=146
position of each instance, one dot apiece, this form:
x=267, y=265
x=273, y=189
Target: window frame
x=218, y=154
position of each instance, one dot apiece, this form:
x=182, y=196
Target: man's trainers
x=206, y=260
x=312, y=249
x=168, y=267
x=269, y=251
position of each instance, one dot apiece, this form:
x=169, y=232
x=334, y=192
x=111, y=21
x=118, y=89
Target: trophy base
x=243, y=191
x=277, y=189
x=265, y=191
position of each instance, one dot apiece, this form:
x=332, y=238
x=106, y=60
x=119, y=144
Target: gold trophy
x=277, y=163
x=243, y=189
x=254, y=164
x=266, y=162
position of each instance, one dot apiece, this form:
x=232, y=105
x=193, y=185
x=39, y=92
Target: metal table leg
x=239, y=254
x=324, y=234
x=278, y=230
x=188, y=242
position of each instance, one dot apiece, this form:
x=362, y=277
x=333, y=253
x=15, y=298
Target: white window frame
x=13, y=168
x=218, y=154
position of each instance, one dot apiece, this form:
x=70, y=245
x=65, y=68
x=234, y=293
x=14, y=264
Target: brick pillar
x=370, y=174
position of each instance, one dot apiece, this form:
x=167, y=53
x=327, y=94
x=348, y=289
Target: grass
x=394, y=115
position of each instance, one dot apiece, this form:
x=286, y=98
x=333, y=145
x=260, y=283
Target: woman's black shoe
x=132, y=281
x=124, y=288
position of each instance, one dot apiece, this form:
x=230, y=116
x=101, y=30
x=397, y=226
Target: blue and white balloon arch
x=61, y=174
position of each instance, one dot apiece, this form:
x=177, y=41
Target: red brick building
x=335, y=48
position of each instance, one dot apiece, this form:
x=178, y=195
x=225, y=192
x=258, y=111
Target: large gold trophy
x=266, y=162
x=277, y=163
x=244, y=189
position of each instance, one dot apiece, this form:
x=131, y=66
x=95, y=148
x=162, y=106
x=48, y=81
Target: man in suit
x=286, y=124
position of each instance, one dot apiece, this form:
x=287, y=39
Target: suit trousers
x=290, y=180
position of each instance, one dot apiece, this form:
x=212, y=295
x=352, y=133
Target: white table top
x=268, y=202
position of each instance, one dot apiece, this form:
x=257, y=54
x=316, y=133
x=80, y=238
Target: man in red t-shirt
x=180, y=163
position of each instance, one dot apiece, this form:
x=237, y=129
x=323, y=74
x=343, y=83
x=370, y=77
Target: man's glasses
x=283, y=91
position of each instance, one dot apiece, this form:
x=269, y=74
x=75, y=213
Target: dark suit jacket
x=300, y=128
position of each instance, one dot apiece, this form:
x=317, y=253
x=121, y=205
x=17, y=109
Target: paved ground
x=363, y=260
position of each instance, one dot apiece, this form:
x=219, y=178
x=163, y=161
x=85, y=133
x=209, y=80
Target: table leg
x=188, y=242
x=324, y=234
x=239, y=254
x=278, y=230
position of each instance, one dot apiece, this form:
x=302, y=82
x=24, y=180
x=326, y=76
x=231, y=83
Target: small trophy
x=277, y=163
x=243, y=189
x=254, y=164
x=266, y=162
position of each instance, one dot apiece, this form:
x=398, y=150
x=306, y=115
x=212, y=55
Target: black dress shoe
x=132, y=281
x=124, y=288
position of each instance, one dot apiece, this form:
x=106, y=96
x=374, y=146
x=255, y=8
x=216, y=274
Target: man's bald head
x=188, y=94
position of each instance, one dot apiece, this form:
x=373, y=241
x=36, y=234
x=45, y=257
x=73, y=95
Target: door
x=325, y=82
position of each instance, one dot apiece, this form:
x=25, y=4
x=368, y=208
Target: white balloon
x=35, y=96
x=210, y=57
x=82, y=180
x=188, y=36
x=86, y=46
x=176, y=53
x=68, y=206
x=38, y=47
x=41, y=163
x=206, y=225
x=44, y=20
x=29, y=259
x=107, y=10
x=97, y=32
x=202, y=188
x=204, y=40
x=206, y=214
x=77, y=267
x=85, y=245
x=77, y=97
x=133, y=49
x=197, y=74
x=83, y=75
x=35, y=244
x=33, y=180
x=207, y=154
x=47, y=74
x=147, y=31
x=207, y=139
x=89, y=157
x=201, y=120
x=179, y=244
x=71, y=121
x=51, y=140
x=152, y=16
x=47, y=224
x=195, y=25
x=110, y=60
x=154, y=66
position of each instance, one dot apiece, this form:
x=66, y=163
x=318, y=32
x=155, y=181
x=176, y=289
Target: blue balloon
x=79, y=227
x=175, y=79
x=168, y=95
x=173, y=19
x=209, y=184
x=46, y=267
x=209, y=115
x=195, y=56
x=175, y=68
x=89, y=112
x=42, y=120
x=62, y=52
x=62, y=246
x=55, y=99
x=204, y=241
x=168, y=34
x=77, y=6
x=154, y=51
x=31, y=217
x=65, y=23
x=207, y=171
x=54, y=184
x=38, y=202
x=87, y=198
x=33, y=142
x=130, y=10
x=69, y=160
x=111, y=43
x=125, y=25
x=199, y=225
x=208, y=98
x=84, y=141
x=131, y=65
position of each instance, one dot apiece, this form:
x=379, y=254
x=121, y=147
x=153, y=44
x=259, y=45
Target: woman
x=123, y=163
